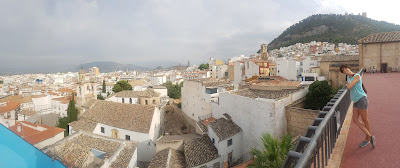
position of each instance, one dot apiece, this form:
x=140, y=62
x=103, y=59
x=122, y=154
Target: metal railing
x=316, y=146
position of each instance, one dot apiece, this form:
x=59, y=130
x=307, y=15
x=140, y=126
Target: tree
x=63, y=123
x=71, y=111
x=72, y=115
x=1, y=82
x=100, y=97
x=203, y=66
x=274, y=152
x=319, y=93
x=104, y=87
x=173, y=90
x=121, y=85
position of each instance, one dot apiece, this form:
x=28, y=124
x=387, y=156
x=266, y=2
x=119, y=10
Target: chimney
x=228, y=117
x=19, y=127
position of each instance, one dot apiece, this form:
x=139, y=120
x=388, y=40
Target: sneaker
x=364, y=143
x=373, y=141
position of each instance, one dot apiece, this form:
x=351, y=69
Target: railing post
x=320, y=138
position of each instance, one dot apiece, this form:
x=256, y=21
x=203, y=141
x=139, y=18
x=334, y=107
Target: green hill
x=331, y=28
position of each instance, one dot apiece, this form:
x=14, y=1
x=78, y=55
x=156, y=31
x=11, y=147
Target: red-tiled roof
x=10, y=106
x=34, y=136
x=208, y=120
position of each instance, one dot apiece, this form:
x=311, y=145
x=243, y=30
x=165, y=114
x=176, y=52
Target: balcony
x=333, y=140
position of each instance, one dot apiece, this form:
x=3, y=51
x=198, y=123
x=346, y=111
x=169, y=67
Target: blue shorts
x=362, y=103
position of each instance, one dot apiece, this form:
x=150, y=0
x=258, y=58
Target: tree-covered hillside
x=331, y=28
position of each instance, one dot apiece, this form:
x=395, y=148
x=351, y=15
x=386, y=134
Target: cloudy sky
x=48, y=34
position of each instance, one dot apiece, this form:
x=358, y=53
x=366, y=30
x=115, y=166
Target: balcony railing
x=316, y=146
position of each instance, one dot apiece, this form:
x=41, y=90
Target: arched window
x=123, y=100
x=130, y=100
x=146, y=102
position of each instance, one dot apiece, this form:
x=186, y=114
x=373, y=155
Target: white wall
x=42, y=103
x=195, y=101
x=209, y=164
x=163, y=92
x=154, y=131
x=134, y=136
x=251, y=69
x=220, y=71
x=255, y=116
x=237, y=73
x=224, y=149
x=133, y=162
x=146, y=150
x=126, y=99
x=288, y=68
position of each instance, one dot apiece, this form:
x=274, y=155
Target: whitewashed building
x=146, y=97
x=158, y=79
x=289, y=68
x=130, y=122
x=198, y=94
x=256, y=112
x=227, y=138
x=37, y=135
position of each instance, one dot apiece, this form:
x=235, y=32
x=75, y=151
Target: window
x=213, y=140
x=102, y=130
x=154, y=102
x=230, y=142
x=127, y=137
x=146, y=102
x=123, y=100
x=130, y=100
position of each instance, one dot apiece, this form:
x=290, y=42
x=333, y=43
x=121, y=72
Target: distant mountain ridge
x=331, y=28
x=108, y=66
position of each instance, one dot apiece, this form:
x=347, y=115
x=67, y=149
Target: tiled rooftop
x=334, y=58
x=381, y=38
x=32, y=133
x=74, y=150
x=132, y=117
x=199, y=151
x=124, y=156
x=168, y=158
x=84, y=124
x=148, y=93
x=27, y=112
x=9, y=107
x=224, y=128
x=90, y=103
x=10, y=98
x=209, y=82
x=268, y=94
x=182, y=137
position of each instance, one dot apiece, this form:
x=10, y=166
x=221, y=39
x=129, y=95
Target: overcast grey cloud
x=50, y=34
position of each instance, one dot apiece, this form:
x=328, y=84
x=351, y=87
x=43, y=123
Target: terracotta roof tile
x=34, y=136
x=224, y=128
x=148, y=93
x=132, y=117
x=10, y=106
x=332, y=58
x=381, y=38
x=27, y=112
x=11, y=98
x=199, y=151
x=176, y=159
x=74, y=151
x=184, y=137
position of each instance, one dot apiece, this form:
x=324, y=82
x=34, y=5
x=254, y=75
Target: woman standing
x=360, y=106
